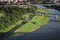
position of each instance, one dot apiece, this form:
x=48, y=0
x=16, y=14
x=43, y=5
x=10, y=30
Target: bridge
x=53, y=12
x=57, y=4
x=56, y=16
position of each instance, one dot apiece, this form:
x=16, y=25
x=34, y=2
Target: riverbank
x=50, y=31
x=28, y=25
x=6, y=35
x=34, y=24
x=24, y=14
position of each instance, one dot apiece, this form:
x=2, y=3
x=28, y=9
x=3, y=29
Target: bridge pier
x=56, y=17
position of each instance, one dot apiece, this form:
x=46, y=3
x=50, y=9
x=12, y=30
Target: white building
x=56, y=1
x=13, y=1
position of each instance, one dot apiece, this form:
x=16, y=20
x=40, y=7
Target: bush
x=33, y=22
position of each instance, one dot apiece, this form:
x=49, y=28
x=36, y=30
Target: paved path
x=50, y=31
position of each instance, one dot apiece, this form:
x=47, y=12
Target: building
x=1, y=0
x=56, y=1
x=12, y=1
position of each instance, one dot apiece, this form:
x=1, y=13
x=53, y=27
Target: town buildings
x=23, y=1
x=11, y=1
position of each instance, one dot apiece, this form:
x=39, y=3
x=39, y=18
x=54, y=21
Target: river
x=50, y=31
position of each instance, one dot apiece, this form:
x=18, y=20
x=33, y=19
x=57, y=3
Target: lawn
x=34, y=24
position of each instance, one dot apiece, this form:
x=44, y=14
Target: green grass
x=14, y=25
x=30, y=26
x=42, y=10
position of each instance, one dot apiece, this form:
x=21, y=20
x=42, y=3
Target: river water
x=50, y=31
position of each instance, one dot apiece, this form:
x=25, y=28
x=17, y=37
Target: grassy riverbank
x=32, y=25
x=36, y=22
x=17, y=16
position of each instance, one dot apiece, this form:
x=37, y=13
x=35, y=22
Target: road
x=50, y=31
